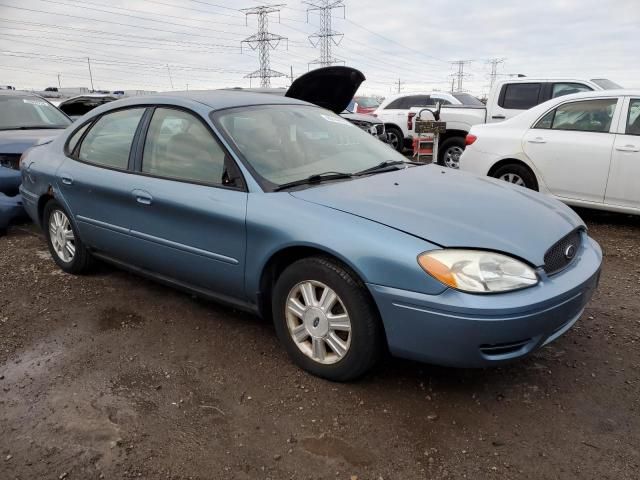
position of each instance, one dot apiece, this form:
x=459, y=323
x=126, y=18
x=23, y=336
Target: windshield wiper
x=313, y=179
x=384, y=166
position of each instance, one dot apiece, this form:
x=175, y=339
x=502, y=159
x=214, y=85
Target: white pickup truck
x=507, y=99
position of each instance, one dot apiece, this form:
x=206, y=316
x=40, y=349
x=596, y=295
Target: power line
x=120, y=13
x=396, y=42
x=326, y=36
x=103, y=21
x=263, y=41
x=156, y=40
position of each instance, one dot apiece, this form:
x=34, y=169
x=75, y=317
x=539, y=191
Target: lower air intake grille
x=560, y=255
x=499, y=349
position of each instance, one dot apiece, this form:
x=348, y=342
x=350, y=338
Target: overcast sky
x=130, y=43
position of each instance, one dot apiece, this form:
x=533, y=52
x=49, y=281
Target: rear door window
x=108, y=142
x=75, y=138
x=395, y=104
x=560, y=89
x=585, y=116
x=520, y=96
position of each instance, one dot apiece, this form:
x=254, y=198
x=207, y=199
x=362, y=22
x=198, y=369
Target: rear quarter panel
x=39, y=168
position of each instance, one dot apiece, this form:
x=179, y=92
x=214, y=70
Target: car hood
x=453, y=209
x=17, y=141
x=332, y=88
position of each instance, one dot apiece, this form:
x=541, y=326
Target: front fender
x=377, y=253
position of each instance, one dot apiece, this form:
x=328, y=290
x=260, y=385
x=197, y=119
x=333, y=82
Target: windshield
x=367, y=102
x=467, y=99
x=26, y=112
x=285, y=144
x=606, y=84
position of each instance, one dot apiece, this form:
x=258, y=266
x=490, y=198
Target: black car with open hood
x=332, y=88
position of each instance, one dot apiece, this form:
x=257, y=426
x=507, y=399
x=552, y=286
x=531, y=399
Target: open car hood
x=332, y=88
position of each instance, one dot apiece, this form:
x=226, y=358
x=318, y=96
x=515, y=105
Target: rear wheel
x=326, y=320
x=450, y=151
x=65, y=246
x=395, y=138
x=517, y=174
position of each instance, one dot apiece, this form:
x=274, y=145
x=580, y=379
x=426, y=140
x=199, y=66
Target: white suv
x=394, y=110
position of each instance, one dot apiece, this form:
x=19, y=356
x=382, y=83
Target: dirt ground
x=112, y=376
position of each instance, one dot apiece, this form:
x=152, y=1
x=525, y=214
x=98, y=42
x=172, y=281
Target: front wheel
x=395, y=138
x=65, y=246
x=326, y=320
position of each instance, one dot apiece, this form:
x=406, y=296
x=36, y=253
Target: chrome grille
x=369, y=127
x=562, y=253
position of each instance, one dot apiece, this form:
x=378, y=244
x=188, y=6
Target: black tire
x=395, y=138
x=449, y=152
x=82, y=260
x=517, y=170
x=366, y=335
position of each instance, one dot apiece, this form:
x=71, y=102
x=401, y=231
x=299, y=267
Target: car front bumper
x=465, y=330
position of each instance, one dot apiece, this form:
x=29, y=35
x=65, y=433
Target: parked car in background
x=366, y=105
x=25, y=120
x=287, y=210
x=512, y=96
x=583, y=149
x=333, y=89
x=76, y=107
x=507, y=98
x=394, y=109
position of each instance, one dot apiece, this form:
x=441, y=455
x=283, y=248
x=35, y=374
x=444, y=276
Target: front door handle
x=537, y=140
x=67, y=180
x=628, y=148
x=142, y=197
x=498, y=117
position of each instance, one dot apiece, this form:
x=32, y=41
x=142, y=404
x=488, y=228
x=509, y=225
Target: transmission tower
x=460, y=75
x=494, y=62
x=263, y=41
x=326, y=36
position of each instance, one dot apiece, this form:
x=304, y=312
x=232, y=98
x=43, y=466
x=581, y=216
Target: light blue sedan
x=287, y=210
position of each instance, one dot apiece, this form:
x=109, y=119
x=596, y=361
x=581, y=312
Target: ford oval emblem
x=570, y=252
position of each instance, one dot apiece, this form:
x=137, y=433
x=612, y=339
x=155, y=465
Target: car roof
x=544, y=79
x=409, y=94
x=215, y=99
x=603, y=93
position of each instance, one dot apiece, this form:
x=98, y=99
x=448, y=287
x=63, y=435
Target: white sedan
x=583, y=149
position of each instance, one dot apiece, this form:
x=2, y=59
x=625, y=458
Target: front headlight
x=477, y=271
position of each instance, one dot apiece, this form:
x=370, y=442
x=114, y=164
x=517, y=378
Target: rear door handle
x=628, y=148
x=498, y=117
x=65, y=179
x=142, y=197
x=537, y=140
